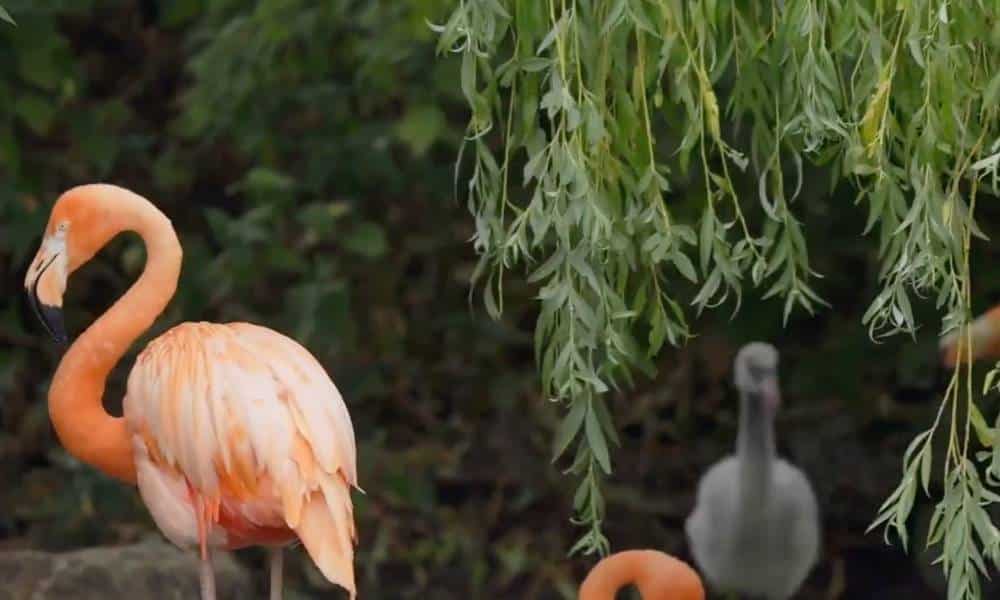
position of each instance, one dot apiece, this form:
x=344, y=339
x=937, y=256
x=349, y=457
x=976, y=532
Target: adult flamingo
x=985, y=332
x=234, y=433
x=658, y=576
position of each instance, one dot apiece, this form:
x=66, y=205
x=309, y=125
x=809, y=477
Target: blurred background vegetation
x=305, y=152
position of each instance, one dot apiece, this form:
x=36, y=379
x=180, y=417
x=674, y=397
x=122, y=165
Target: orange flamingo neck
x=658, y=576
x=84, y=428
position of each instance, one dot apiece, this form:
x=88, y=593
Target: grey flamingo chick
x=755, y=528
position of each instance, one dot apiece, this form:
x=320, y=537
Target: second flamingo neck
x=755, y=448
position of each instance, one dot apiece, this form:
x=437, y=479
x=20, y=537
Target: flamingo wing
x=242, y=438
x=800, y=520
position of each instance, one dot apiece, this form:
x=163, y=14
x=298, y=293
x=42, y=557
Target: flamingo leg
x=207, y=577
x=276, y=561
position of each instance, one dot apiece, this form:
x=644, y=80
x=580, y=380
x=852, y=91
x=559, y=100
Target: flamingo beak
x=771, y=393
x=44, y=288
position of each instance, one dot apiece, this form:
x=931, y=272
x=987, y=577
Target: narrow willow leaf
x=711, y=112
x=535, y=64
x=581, y=496
x=685, y=266
x=568, y=428
x=498, y=8
x=492, y=308
x=990, y=378
x=705, y=238
x=926, y=458
x=469, y=76
x=983, y=431
x=614, y=16
x=580, y=545
x=548, y=267
x=550, y=37
x=598, y=445
x=607, y=423
x=871, y=122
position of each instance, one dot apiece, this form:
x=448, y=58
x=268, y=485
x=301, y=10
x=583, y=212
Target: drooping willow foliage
x=584, y=115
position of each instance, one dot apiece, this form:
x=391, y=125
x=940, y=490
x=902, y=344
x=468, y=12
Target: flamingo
x=755, y=526
x=234, y=433
x=658, y=576
x=985, y=331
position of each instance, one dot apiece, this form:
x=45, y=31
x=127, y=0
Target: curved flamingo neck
x=658, y=576
x=84, y=428
x=612, y=574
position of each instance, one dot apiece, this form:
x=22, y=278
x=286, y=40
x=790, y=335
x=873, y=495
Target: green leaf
x=614, y=16
x=598, y=445
x=925, y=467
x=469, y=76
x=989, y=379
x=36, y=111
x=604, y=417
x=684, y=266
x=706, y=238
x=568, y=428
x=6, y=16
x=983, y=431
x=581, y=496
x=46, y=66
x=421, y=127
x=174, y=13
x=367, y=239
x=263, y=180
x=490, y=301
x=991, y=96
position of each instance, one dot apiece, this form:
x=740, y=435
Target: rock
x=152, y=570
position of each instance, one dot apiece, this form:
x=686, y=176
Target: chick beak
x=771, y=393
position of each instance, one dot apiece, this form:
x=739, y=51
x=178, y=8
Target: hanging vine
x=585, y=114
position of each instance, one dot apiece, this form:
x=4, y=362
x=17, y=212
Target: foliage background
x=305, y=153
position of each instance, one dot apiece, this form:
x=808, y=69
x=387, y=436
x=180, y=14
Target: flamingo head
x=77, y=228
x=756, y=374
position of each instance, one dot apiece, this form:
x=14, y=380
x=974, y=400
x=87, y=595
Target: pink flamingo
x=234, y=433
x=658, y=576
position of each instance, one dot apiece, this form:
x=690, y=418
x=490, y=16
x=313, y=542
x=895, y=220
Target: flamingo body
x=767, y=553
x=241, y=438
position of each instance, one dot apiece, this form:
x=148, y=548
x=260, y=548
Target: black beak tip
x=53, y=319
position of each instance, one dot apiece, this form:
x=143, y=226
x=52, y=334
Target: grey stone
x=151, y=569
